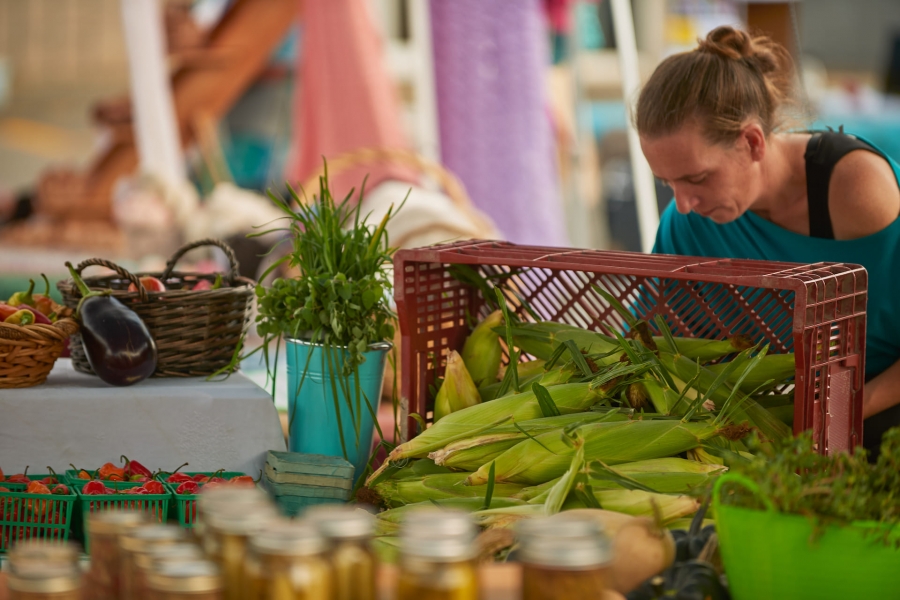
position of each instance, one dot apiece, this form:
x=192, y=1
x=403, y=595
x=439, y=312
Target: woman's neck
x=783, y=172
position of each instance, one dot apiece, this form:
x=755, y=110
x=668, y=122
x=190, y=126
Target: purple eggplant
x=117, y=343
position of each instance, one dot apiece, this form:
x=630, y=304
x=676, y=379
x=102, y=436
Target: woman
x=709, y=122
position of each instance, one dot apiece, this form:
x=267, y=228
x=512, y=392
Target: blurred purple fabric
x=490, y=60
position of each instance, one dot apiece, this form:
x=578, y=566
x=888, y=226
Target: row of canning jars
x=241, y=549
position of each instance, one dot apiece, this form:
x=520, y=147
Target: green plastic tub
x=771, y=555
x=185, y=505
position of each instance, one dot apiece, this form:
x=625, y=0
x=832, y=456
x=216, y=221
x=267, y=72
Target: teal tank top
x=751, y=236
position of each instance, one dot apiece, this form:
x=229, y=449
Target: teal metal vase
x=317, y=415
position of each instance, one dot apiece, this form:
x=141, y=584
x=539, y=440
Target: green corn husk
x=492, y=391
x=527, y=369
x=703, y=349
x=458, y=390
x=665, y=475
x=498, y=517
x=541, y=339
x=641, y=504
x=417, y=469
x=663, y=399
x=785, y=414
x=535, y=461
x=470, y=453
x=482, y=352
x=745, y=408
x=772, y=400
x=569, y=398
x=780, y=368
x=436, y=487
x=389, y=521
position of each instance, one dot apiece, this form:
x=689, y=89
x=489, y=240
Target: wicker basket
x=28, y=352
x=196, y=331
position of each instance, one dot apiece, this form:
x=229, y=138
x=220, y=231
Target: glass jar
x=224, y=499
x=141, y=540
x=287, y=562
x=45, y=582
x=42, y=553
x=348, y=531
x=226, y=539
x=105, y=528
x=437, y=557
x=155, y=557
x=563, y=557
x=191, y=580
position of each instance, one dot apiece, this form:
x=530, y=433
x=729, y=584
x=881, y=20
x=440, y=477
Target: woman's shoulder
x=863, y=195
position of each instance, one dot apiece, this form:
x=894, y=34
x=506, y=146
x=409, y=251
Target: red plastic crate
x=817, y=311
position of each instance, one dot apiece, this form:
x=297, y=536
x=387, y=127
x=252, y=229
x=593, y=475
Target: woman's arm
x=882, y=392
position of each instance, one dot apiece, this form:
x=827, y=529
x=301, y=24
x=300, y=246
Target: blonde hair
x=729, y=78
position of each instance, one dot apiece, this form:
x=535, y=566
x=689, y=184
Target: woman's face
x=718, y=181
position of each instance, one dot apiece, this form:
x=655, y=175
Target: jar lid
x=42, y=551
x=244, y=521
x=144, y=536
x=338, y=522
x=223, y=495
x=185, y=576
x=45, y=579
x=288, y=538
x=115, y=521
x=438, y=534
x=179, y=551
x=572, y=542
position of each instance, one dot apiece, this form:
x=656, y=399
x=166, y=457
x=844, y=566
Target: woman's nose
x=685, y=203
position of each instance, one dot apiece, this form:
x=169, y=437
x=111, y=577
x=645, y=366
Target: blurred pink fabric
x=344, y=98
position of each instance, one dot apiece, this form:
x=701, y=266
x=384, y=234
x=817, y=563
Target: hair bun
x=734, y=44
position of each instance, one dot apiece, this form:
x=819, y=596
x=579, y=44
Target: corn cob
x=702, y=456
x=482, y=352
x=417, y=469
x=662, y=398
x=745, y=408
x=470, y=453
x=527, y=369
x=458, y=390
x=547, y=456
x=436, y=487
x=665, y=475
x=777, y=367
x=641, y=504
x=389, y=521
x=569, y=398
x=703, y=349
x=492, y=391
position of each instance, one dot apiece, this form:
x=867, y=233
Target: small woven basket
x=196, y=331
x=28, y=352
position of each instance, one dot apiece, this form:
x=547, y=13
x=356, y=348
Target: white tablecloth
x=162, y=423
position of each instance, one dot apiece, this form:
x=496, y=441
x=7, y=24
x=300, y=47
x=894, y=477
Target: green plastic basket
x=771, y=555
x=33, y=516
x=157, y=505
x=185, y=505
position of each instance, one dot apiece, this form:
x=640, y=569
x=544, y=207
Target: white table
x=162, y=423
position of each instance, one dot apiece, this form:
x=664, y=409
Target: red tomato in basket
x=151, y=284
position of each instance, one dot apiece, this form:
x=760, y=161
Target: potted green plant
x=795, y=524
x=336, y=319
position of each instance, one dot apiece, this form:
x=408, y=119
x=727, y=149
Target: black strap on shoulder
x=823, y=151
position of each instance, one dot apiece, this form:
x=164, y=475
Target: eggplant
x=117, y=343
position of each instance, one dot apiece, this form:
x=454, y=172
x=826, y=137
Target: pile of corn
x=639, y=425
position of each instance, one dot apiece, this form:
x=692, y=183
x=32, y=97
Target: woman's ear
x=752, y=135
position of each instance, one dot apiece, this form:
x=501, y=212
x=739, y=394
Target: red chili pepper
x=242, y=480
x=133, y=467
x=37, y=507
x=188, y=487
x=200, y=478
x=6, y=310
x=154, y=487
x=19, y=478
x=82, y=474
x=1, y=474
x=178, y=478
x=136, y=490
x=52, y=479
x=61, y=489
x=95, y=488
x=111, y=472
